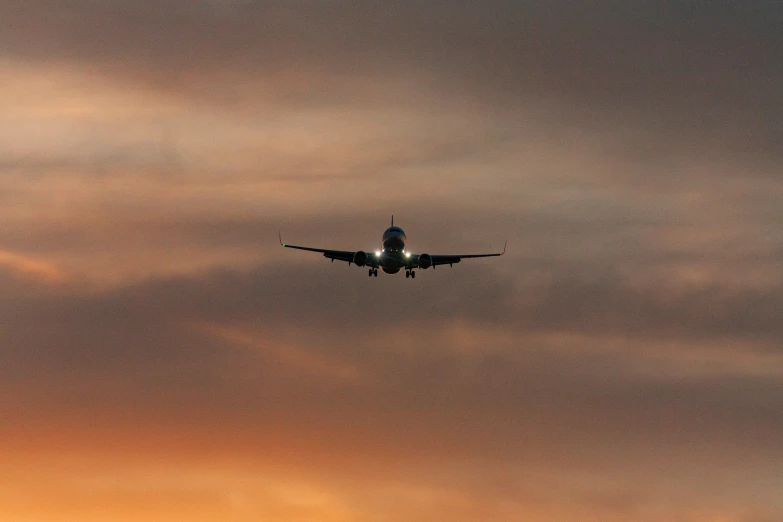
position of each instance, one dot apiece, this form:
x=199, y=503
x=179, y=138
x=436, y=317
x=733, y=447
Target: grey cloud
x=709, y=73
x=132, y=349
x=587, y=304
x=587, y=299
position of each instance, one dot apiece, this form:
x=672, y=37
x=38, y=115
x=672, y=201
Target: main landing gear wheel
x=413, y=274
x=407, y=274
x=370, y=273
x=375, y=272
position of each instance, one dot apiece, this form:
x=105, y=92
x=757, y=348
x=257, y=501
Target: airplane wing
x=450, y=259
x=340, y=255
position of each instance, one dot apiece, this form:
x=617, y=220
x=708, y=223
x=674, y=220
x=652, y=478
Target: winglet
x=392, y=220
x=280, y=235
x=504, y=247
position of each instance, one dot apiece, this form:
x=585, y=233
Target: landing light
x=407, y=254
x=377, y=253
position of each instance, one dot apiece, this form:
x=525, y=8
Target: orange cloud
x=32, y=267
x=288, y=354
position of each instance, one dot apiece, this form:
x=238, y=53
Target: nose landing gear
x=410, y=273
x=373, y=272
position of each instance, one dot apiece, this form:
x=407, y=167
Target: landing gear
x=410, y=273
x=375, y=272
x=413, y=274
x=370, y=273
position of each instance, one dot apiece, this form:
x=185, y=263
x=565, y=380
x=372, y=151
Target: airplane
x=392, y=257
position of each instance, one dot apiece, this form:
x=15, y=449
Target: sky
x=162, y=358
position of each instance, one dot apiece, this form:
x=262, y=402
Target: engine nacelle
x=360, y=258
x=425, y=261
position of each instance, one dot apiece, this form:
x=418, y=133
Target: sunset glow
x=162, y=358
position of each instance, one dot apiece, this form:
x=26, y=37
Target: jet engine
x=425, y=261
x=360, y=258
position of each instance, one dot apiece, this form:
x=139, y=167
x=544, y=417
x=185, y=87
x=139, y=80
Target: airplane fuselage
x=393, y=257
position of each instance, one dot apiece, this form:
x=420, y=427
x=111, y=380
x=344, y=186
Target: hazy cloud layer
x=689, y=77
x=163, y=358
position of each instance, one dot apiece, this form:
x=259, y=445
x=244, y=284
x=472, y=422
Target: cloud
x=31, y=267
x=397, y=383
x=696, y=77
x=298, y=358
x=505, y=352
x=622, y=361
